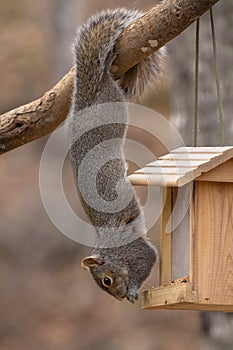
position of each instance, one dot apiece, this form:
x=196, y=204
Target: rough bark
x=37, y=118
x=152, y=31
x=159, y=25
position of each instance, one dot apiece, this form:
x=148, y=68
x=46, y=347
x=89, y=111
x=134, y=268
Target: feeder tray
x=201, y=246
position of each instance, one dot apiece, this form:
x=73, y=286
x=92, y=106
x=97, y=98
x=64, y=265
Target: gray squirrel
x=123, y=257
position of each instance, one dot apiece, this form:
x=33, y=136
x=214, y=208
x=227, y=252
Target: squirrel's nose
x=132, y=296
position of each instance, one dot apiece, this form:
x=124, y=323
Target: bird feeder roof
x=181, y=166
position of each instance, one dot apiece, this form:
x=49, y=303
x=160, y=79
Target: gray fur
x=96, y=130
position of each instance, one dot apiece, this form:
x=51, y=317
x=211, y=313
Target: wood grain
x=169, y=296
x=178, y=297
x=213, y=245
x=222, y=173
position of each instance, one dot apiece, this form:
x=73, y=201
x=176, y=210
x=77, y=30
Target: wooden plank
x=213, y=245
x=176, y=164
x=223, y=173
x=165, y=170
x=171, y=295
x=191, y=307
x=153, y=180
x=202, y=149
x=178, y=297
x=192, y=235
x=165, y=238
x=154, y=175
x=193, y=156
x=160, y=180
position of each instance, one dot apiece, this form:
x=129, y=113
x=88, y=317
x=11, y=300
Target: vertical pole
x=166, y=238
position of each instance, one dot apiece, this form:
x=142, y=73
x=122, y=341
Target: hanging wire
x=196, y=85
x=220, y=108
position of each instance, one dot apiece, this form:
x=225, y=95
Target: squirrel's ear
x=91, y=261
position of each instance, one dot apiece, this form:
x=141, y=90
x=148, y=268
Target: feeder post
x=166, y=237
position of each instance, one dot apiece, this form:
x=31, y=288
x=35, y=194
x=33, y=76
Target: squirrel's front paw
x=132, y=295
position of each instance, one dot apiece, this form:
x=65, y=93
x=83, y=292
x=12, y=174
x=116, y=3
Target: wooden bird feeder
x=196, y=257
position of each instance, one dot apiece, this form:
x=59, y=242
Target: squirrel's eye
x=107, y=281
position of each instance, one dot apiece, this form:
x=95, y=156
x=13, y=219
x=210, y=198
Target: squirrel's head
x=113, y=279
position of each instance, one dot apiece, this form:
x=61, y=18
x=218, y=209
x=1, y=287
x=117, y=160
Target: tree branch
x=145, y=36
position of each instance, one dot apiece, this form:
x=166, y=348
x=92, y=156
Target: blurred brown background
x=46, y=300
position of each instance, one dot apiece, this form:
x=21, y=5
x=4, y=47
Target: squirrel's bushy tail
x=146, y=73
x=94, y=54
